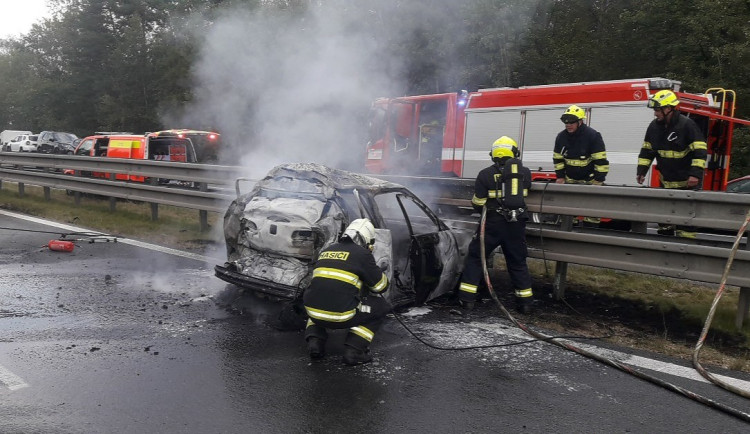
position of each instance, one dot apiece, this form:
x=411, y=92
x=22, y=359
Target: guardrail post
x=154, y=206
x=743, y=304
x=77, y=194
x=112, y=199
x=561, y=268
x=203, y=214
x=21, y=189
x=47, y=190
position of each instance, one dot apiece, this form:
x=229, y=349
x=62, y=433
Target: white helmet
x=361, y=231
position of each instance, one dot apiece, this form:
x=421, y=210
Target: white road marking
x=629, y=359
x=141, y=244
x=11, y=380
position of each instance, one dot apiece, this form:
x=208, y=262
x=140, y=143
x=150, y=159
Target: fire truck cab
x=450, y=134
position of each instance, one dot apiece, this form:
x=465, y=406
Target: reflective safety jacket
x=341, y=272
x=679, y=149
x=492, y=189
x=580, y=156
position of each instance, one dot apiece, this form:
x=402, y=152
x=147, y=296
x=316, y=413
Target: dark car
x=739, y=185
x=55, y=142
x=275, y=232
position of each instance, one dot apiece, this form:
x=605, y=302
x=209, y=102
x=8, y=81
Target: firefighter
x=579, y=155
x=680, y=151
x=501, y=188
x=335, y=299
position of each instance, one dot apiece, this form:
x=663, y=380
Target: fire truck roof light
x=662, y=83
x=462, y=97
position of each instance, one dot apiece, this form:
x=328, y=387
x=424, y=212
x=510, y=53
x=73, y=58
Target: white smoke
x=289, y=88
x=296, y=86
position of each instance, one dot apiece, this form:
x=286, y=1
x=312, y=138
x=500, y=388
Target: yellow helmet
x=573, y=114
x=663, y=98
x=504, y=147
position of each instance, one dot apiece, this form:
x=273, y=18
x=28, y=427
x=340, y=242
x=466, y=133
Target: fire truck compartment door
x=482, y=129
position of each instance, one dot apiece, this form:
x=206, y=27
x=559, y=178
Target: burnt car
x=274, y=233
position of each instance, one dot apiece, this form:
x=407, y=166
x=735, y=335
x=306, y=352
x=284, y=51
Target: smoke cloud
x=297, y=86
x=290, y=88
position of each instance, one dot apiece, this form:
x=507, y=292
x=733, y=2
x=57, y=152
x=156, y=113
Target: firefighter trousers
x=678, y=230
x=362, y=326
x=511, y=237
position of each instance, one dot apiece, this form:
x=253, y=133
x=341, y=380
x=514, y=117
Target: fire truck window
x=377, y=124
x=402, y=124
x=433, y=112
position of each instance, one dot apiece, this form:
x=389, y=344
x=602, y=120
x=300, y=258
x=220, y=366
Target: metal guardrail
x=699, y=260
x=12, y=164
x=209, y=174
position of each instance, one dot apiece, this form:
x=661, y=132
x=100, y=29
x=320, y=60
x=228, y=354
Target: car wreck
x=275, y=231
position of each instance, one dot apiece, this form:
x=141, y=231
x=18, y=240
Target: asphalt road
x=125, y=337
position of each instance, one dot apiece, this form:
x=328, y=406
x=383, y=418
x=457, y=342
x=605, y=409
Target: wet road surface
x=119, y=338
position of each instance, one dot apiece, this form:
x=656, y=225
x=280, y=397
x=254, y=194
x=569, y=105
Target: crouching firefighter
x=501, y=189
x=335, y=297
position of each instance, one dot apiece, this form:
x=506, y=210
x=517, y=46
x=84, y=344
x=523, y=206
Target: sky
x=17, y=16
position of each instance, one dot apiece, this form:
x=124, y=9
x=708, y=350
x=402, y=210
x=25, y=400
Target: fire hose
x=610, y=362
x=701, y=370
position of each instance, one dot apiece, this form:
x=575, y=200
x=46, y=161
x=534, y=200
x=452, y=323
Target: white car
x=23, y=143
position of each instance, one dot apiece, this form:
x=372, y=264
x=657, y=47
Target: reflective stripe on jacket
x=580, y=156
x=339, y=276
x=679, y=149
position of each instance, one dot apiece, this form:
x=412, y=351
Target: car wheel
x=69, y=153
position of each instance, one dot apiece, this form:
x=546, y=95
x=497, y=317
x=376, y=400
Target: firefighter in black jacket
x=579, y=155
x=501, y=189
x=335, y=296
x=680, y=151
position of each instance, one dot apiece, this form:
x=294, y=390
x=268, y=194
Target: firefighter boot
x=316, y=347
x=354, y=356
x=525, y=305
x=466, y=306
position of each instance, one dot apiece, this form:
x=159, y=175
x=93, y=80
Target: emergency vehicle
x=168, y=145
x=450, y=134
x=202, y=146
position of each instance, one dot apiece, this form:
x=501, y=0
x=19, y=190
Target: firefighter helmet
x=504, y=147
x=663, y=98
x=362, y=232
x=573, y=114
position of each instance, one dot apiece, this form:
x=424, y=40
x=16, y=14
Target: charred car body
x=275, y=232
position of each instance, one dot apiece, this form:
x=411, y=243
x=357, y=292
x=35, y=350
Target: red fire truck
x=450, y=134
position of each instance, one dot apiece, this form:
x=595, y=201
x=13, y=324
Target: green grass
x=678, y=298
